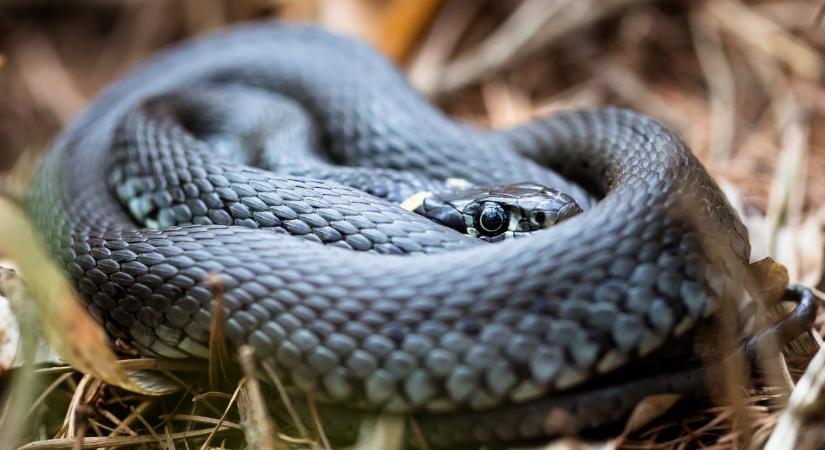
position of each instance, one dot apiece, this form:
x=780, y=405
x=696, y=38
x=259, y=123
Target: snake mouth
x=473, y=232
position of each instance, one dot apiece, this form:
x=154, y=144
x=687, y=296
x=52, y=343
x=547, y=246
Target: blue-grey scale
x=275, y=156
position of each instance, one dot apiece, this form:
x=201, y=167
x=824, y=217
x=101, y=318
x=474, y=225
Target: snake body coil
x=481, y=341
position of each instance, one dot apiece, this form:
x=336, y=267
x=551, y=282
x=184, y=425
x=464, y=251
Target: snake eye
x=492, y=219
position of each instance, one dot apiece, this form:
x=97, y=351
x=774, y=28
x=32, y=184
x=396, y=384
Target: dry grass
x=740, y=80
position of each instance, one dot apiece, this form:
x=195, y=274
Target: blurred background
x=740, y=80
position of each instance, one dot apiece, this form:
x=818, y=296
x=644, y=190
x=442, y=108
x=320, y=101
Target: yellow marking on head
x=459, y=183
x=415, y=200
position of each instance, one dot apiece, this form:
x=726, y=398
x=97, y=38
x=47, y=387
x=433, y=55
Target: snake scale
x=355, y=299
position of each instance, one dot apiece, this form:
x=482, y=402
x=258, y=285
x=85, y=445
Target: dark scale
x=506, y=296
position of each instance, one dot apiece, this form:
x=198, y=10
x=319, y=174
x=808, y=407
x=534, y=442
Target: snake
x=554, y=274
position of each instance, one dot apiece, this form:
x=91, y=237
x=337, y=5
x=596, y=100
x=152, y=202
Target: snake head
x=500, y=212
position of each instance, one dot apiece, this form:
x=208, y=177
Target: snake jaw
x=473, y=232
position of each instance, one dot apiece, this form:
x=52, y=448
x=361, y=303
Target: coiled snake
x=149, y=191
